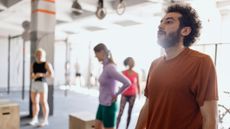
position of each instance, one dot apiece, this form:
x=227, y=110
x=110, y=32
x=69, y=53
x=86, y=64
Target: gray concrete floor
x=77, y=100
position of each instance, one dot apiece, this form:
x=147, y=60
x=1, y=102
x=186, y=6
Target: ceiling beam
x=223, y=4
x=9, y=3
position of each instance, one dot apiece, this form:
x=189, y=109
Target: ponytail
x=99, y=47
x=109, y=54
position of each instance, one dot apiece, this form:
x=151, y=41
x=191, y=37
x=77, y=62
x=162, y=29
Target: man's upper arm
x=143, y=116
x=209, y=114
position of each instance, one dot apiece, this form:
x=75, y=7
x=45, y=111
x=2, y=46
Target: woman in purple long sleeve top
x=106, y=113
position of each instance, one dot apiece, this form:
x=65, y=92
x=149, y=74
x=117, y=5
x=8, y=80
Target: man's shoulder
x=199, y=57
x=197, y=54
x=157, y=60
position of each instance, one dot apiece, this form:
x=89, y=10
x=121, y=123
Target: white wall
x=3, y=62
x=225, y=29
x=16, y=63
x=211, y=21
x=137, y=41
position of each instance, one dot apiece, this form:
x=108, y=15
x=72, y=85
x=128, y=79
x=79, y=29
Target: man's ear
x=185, y=31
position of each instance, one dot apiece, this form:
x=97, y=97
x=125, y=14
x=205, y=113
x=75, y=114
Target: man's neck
x=174, y=51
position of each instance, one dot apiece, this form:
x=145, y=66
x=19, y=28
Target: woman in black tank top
x=41, y=70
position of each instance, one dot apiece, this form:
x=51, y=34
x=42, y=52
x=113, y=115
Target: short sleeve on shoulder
x=148, y=79
x=206, y=81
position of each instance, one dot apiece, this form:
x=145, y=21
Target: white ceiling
x=137, y=12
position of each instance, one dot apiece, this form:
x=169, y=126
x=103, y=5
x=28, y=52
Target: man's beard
x=169, y=40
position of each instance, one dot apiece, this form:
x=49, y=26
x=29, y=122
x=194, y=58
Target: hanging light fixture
x=101, y=11
x=26, y=32
x=121, y=7
x=76, y=8
x=26, y=25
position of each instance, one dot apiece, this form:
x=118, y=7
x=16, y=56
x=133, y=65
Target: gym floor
x=76, y=100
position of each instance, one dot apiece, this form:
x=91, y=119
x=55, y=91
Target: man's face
x=169, y=30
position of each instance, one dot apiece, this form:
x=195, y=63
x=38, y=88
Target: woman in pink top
x=129, y=95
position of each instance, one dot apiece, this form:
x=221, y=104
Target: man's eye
x=168, y=22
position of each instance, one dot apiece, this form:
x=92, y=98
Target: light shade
x=76, y=8
x=121, y=7
x=101, y=11
x=26, y=25
x=26, y=33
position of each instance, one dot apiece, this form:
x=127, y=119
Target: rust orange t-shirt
x=177, y=88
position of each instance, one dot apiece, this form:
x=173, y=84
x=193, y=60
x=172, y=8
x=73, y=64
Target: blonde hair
x=43, y=54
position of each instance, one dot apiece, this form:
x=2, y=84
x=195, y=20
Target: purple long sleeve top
x=107, y=81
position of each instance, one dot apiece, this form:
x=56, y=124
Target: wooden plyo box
x=9, y=115
x=81, y=120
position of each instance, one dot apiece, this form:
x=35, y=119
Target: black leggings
x=130, y=100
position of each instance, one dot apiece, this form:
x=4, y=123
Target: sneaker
x=43, y=123
x=34, y=121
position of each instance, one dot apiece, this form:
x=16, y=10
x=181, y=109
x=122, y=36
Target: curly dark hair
x=189, y=18
x=127, y=60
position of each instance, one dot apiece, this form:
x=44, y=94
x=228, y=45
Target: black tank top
x=39, y=68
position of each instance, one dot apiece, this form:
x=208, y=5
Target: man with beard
x=181, y=89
